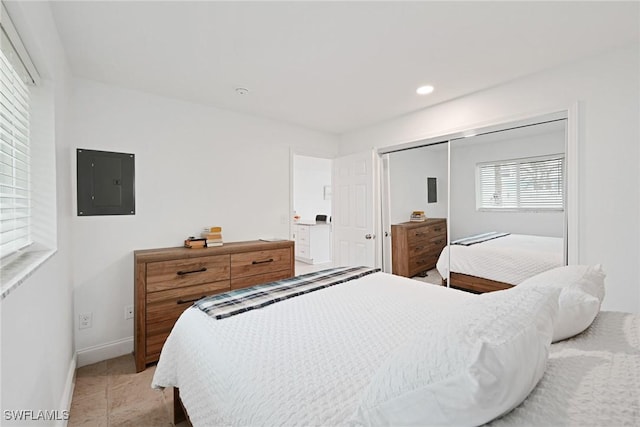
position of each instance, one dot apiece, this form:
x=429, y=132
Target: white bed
x=308, y=360
x=332, y=330
x=508, y=260
x=592, y=379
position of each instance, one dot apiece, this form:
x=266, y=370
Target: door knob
x=369, y=236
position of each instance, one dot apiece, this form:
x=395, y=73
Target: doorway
x=311, y=212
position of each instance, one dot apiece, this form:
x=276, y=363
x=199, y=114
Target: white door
x=354, y=219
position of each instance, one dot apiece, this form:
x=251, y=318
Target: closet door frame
x=572, y=115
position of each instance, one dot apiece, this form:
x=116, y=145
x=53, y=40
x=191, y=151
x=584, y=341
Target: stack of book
x=212, y=236
x=195, y=243
x=418, y=216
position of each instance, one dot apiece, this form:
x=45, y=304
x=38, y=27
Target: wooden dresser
x=170, y=280
x=416, y=246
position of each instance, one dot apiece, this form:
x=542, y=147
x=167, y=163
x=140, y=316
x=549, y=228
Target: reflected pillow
x=467, y=367
x=582, y=292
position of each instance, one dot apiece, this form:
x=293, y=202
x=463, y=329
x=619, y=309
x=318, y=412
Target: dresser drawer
x=164, y=308
x=167, y=306
x=260, y=262
x=418, y=235
x=422, y=262
x=243, y=282
x=172, y=274
x=302, y=251
x=303, y=233
x=432, y=245
x=154, y=345
x=420, y=249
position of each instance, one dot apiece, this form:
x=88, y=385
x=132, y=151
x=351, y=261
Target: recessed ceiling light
x=424, y=90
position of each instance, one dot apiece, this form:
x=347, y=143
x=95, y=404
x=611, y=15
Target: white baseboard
x=98, y=353
x=67, y=395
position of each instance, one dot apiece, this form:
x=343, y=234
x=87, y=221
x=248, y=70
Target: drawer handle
x=419, y=248
x=437, y=229
x=182, y=273
x=421, y=234
x=185, y=301
x=262, y=262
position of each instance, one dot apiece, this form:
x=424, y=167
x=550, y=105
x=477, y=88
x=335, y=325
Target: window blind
x=534, y=183
x=15, y=201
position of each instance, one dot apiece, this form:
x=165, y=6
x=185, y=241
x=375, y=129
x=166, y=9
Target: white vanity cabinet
x=313, y=243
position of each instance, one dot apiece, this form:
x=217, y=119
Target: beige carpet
x=432, y=277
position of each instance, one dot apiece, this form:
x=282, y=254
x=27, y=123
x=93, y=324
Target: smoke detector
x=242, y=91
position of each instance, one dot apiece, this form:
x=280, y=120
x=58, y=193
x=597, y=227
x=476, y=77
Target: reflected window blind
x=534, y=183
x=15, y=204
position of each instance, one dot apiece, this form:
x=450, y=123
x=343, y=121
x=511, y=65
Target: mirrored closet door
x=507, y=212
x=498, y=198
x=417, y=211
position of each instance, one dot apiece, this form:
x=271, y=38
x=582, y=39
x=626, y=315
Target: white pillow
x=468, y=367
x=582, y=292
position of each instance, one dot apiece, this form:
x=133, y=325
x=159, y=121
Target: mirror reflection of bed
x=506, y=218
x=506, y=182
x=495, y=261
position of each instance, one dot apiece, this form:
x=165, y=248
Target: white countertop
x=311, y=222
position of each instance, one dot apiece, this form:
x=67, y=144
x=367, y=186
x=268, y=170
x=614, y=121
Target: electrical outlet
x=128, y=312
x=85, y=320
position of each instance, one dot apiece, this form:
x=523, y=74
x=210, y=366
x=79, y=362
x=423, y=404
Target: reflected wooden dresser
x=416, y=246
x=170, y=280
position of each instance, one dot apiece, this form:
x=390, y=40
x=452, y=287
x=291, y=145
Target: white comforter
x=592, y=379
x=509, y=259
x=303, y=361
x=307, y=360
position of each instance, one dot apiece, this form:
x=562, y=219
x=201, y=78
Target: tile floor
x=111, y=393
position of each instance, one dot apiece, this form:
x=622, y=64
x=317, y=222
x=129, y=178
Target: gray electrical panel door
x=106, y=183
x=432, y=190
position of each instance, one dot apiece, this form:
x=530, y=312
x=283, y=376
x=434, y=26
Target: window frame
x=17, y=265
x=519, y=162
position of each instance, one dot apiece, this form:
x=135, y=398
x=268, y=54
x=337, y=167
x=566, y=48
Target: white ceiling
x=331, y=66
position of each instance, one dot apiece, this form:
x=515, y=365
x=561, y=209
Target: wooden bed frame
x=179, y=411
x=475, y=284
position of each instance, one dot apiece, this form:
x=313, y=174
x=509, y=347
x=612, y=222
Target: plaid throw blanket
x=479, y=238
x=227, y=304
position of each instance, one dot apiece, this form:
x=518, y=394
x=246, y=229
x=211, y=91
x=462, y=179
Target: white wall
x=466, y=153
x=37, y=327
x=408, y=173
x=195, y=166
x=310, y=176
x=607, y=88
